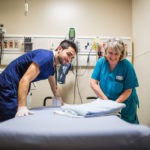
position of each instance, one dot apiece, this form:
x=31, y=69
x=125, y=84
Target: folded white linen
x=97, y=107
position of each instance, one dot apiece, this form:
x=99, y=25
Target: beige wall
x=141, y=32
x=53, y=17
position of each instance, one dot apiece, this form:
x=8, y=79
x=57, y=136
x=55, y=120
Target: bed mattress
x=46, y=130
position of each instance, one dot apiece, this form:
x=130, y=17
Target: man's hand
x=23, y=111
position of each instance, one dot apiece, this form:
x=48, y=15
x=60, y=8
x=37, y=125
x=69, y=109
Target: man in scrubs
x=114, y=78
x=33, y=66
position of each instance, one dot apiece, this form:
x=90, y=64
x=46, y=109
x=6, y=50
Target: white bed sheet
x=97, y=107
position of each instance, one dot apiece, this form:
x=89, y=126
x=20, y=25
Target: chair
x=45, y=100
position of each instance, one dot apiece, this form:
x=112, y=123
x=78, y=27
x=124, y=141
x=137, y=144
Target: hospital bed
x=46, y=130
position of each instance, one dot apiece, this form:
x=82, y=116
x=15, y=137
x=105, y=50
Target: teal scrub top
x=113, y=83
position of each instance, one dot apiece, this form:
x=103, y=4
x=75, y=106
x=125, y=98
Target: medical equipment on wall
x=2, y=32
x=71, y=34
x=63, y=71
x=27, y=44
x=98, y=46
x=72, y=37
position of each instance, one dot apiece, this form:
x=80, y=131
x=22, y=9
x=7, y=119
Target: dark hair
x=67, y=43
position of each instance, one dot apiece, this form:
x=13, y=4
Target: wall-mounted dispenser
x=27, y=44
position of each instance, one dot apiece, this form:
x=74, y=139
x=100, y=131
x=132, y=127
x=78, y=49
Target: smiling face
x=112, y=56
x=65, y=56
x=115, y=51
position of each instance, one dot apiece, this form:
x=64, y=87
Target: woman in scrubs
x=114, y=78
x=33, y=66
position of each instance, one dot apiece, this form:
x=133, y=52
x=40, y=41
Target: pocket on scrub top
x=117, y=87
